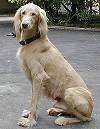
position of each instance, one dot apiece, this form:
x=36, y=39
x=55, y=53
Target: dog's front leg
x=37, y=82
x=36, y=93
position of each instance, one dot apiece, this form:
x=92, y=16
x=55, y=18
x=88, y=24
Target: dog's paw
x=26, y=122
x=26, y=113
x=60, y=121
x=54, y=111
x=66, y=121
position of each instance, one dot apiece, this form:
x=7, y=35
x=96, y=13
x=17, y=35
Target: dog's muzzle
x=27, y=23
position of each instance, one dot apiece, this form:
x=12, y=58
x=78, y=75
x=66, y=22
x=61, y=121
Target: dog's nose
x=24, y=25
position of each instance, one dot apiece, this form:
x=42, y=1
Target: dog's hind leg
x=79, y=103
x=58, y=108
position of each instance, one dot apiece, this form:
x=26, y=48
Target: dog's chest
x=19, y=55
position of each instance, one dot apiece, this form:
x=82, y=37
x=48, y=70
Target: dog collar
x=28, y=41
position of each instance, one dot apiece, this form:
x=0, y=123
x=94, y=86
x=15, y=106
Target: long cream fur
x=49, y=73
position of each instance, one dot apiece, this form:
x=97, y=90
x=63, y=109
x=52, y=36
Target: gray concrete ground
x=81, y=49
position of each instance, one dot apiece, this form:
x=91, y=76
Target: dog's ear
x=42, y=23
x=17, y=23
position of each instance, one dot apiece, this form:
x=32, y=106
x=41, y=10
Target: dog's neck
x=26, y=34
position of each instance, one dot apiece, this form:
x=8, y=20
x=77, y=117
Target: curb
x=5, y=20
x=73, y=28
x=9, y=20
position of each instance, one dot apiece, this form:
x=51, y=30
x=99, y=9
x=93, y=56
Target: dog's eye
x=32, y=14
x=23, y=12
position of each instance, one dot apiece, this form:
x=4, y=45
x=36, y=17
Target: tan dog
x=50, y=74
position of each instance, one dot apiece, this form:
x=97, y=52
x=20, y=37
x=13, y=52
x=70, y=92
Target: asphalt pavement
x=81, y=49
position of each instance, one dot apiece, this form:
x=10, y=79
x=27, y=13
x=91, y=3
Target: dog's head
x=30, y=17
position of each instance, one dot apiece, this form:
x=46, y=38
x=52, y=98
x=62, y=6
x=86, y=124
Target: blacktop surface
x=81, y=49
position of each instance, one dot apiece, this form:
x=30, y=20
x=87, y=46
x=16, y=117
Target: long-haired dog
x=48, y=71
